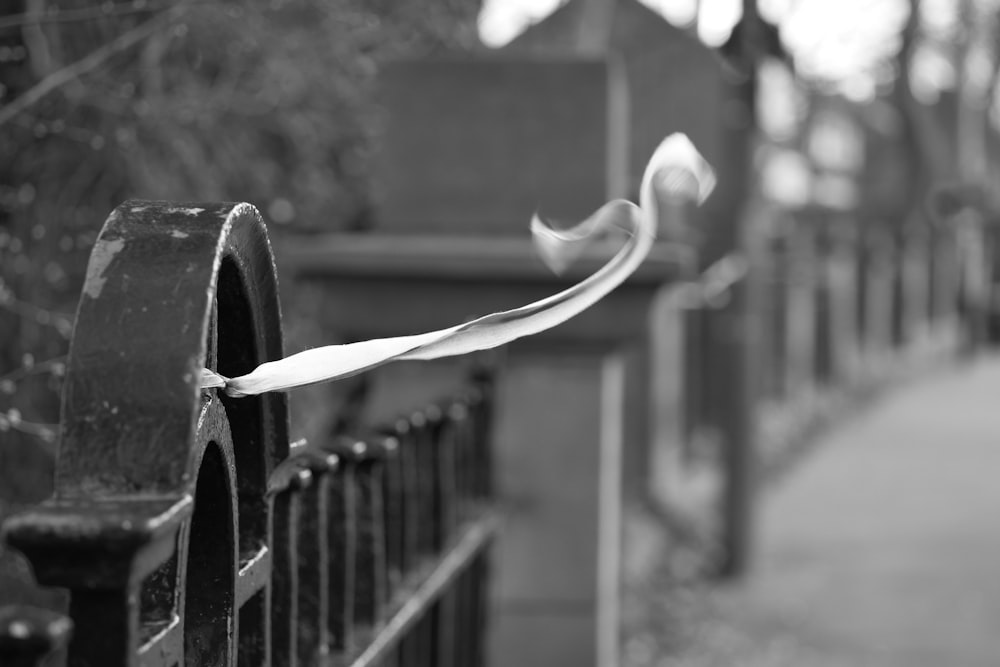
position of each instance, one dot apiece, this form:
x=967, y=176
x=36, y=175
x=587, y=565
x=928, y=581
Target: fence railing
x=185, y=527
x=381, y=550
x=189, y=532
x=845, y=307
x=832, y=309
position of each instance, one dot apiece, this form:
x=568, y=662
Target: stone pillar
x=575, y=412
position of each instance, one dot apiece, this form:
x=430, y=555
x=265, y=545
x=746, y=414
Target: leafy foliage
x=267, y=102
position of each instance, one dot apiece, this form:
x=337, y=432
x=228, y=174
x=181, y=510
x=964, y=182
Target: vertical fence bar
x=862, y=295
x=283, y=489
x=824, y=350
x=843, y=275
x=315, y=565
x=370, y=589
x=801, y=312
x=341, y=548
x=310, y=562
x=395, y=517
x=879, y=311
x=409, y=494
x=898, y=264
x=423, y=425
x=914, y=262
x=446, y=487
x=776, y=331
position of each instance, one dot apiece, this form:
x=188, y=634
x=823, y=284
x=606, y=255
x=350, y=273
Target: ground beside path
x=881, y=549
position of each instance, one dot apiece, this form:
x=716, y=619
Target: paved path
x=883, y=548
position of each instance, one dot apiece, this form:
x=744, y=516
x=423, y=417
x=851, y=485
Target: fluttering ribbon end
x=676, y=169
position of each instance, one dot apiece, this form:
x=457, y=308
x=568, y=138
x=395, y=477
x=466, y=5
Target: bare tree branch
x=73, y=15
x=39, y=54
x=89, y=62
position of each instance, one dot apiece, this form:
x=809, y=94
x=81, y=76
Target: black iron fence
x=188, y=531
x=381, y=553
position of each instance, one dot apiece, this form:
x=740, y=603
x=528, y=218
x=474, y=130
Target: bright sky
x=834, y=40
x=502, y=20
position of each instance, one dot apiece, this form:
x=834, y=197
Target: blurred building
x=673, y=82
x=562, y=119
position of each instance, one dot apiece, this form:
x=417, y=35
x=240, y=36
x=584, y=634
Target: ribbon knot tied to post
x=675, y=169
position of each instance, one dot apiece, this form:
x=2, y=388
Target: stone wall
x=478, y=145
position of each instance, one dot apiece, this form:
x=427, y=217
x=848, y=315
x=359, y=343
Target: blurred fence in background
x=845, y=306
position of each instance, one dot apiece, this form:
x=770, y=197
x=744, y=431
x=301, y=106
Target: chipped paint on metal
x=100, y=258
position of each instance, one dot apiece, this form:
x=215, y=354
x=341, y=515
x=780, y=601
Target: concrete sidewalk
x=882, y=548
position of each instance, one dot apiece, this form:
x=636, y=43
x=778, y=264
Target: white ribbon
x=674, y=157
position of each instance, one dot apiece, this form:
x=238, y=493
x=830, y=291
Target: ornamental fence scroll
x=185, y=526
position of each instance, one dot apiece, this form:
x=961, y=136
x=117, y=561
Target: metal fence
x=188, y=531
x=186, y=528
x=832, y=309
